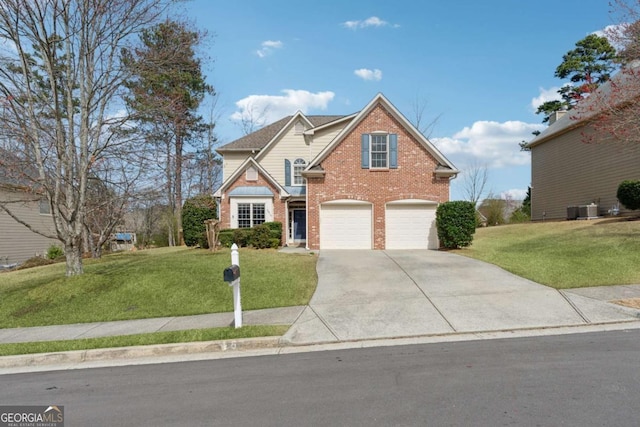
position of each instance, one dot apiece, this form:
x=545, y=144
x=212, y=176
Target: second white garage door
x=411, y=226
x=345, y=226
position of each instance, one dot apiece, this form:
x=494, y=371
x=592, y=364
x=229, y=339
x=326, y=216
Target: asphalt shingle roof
x=260, y=138
x=14, y=171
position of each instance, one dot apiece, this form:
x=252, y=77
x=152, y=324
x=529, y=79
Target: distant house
x=17, y=242
x=369, y=180
x=567, y=173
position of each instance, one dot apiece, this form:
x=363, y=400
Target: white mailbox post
x=232, y=276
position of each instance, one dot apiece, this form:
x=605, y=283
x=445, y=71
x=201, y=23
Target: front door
x=299, y=225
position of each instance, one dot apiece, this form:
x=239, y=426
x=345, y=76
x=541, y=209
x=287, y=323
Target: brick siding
x=345, y=179
x=278, y=204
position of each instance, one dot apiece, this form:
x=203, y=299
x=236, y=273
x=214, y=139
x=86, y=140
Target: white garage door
x=411, y=226
x=345, y=226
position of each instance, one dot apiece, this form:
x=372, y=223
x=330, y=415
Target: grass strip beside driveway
x=169, y=337
x=565, y=254
x=161, y=282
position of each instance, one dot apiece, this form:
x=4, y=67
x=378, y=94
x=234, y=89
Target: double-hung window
x=379, y=150
x=250, y=214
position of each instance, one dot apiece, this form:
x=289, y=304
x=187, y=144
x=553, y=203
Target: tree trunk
x=178, y=182
x=73, y=255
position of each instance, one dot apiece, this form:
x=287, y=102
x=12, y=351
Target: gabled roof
x=258, y=140
x=445, y=167
x=15, y=172
x=338, y=119
x=621, y=89
x=250, y=161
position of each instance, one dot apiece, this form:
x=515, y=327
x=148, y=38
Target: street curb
x=90, y=358
x=135, y=352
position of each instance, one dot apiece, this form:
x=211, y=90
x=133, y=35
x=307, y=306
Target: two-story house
x=369, y=180
x=19, y=200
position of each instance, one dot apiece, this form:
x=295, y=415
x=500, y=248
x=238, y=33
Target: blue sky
x=481, y=66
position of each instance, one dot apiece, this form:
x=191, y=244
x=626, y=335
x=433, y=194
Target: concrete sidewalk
x=272, y=316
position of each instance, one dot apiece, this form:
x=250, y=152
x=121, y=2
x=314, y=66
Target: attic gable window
x=379, y=151
x=252, y=174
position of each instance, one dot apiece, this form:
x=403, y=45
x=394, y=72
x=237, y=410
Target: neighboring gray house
x=17, y=242
x=566, y=171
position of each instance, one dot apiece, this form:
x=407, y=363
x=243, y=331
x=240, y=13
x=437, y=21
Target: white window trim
x=235, y=200
x=293, y=172
x=371, y=135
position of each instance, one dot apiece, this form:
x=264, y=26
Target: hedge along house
x=574, y=165
x=369, y=180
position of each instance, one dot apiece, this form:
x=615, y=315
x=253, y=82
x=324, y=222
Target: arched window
x=298, y=167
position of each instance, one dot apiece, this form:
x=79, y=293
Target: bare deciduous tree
x=253, y=118
x=59, y=79
x=418, y=111
x=474, y=181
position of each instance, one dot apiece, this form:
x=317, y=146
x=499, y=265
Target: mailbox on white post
x=232, y=276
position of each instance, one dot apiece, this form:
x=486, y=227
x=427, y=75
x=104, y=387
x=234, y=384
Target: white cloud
x=614, y=33
x=550, y=94
x=372, y=21
x=366, y=74
x=269, y=108
x=268, y=47
x=487, y=142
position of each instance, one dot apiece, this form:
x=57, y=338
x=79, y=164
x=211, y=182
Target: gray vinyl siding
x=18, y=243
x=565, y=171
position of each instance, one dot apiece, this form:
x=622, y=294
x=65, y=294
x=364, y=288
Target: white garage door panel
x=345, y=227
x=411, y=227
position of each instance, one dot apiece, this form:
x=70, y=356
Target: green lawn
x=153, y=283
x=169, y=337
x=566, y=254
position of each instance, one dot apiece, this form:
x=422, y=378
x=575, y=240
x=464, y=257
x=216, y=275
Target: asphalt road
x=575, y=380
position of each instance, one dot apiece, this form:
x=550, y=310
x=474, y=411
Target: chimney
x=556, y=115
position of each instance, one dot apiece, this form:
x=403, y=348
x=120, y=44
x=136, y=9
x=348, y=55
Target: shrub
x=629, y=194
x=241, y=236
x=519, y=216
x=276, y=230
x=275, y=243
x=267, y=235
x=456, y=223
x=261, y=237
x=54, y=252
x=225, y=237
x=195, y=212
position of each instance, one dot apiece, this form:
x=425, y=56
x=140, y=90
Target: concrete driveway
x=385, y=294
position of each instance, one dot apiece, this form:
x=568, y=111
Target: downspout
x=306, y=214
x=286, y=222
